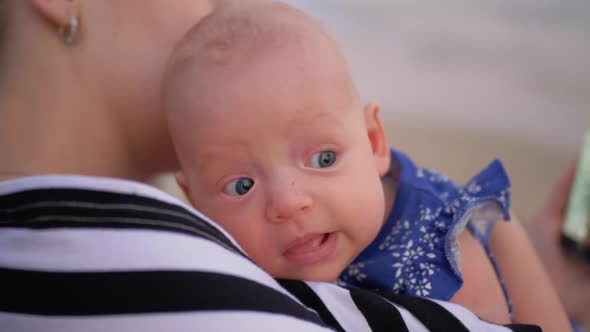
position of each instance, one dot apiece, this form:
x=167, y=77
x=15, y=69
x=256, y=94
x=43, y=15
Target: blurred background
x=462, y=82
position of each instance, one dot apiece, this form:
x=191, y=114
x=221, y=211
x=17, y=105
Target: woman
x=79, y=85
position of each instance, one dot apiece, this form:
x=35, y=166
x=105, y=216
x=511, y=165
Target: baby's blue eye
x=239, y=187
x=322, y=159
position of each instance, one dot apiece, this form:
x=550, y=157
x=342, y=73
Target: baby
x=275, y=145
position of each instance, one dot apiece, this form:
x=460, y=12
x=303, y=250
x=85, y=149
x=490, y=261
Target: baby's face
x=283, y=161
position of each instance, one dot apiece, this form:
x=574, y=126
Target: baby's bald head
x=239, y=31
x=242, y=36
x=242, y=54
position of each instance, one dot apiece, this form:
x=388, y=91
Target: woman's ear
x=58, y=12
x=182, y=183
x=377, y=138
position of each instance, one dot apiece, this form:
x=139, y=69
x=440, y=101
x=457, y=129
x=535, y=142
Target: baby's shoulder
x=436, y=187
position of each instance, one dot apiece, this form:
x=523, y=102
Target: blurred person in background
x=570, y=274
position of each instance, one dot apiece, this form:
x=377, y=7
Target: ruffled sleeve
x=477, y=206
x=484, y=200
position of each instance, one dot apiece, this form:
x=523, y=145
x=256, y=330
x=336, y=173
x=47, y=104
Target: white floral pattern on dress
x=408, y=254
x=411, y=254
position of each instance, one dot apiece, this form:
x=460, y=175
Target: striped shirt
x=97, y=254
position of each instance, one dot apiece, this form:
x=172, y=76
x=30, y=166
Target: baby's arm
x=532, y=294
x=481, y=292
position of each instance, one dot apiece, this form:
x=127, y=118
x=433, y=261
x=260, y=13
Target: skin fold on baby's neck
x=390, y=183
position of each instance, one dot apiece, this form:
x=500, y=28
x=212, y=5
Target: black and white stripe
x=88, y=254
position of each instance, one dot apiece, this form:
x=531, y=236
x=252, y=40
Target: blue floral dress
x=416, y=252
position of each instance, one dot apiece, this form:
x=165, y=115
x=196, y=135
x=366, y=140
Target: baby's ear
x=377, y=137
x=182, y=183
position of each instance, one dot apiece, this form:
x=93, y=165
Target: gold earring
x=68, y=32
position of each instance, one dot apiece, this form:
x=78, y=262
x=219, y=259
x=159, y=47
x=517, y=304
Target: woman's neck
x=54, y=126
x=57, y=117
x=41, y=140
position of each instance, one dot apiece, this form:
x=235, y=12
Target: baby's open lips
x=311, y=248
x=305, y=244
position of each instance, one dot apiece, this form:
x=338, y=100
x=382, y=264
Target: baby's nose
x=287, y=201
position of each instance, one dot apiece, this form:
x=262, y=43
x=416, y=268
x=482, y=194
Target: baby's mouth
x=311, y=248
x=306, y=244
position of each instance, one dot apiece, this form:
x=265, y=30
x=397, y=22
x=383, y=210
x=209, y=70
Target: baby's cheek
x=373, y=211
x=255, y=246
x=216, y=211
x=227, y=221
x=238, y=222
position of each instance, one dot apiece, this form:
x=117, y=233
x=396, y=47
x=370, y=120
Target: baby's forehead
x=246, y=29
x=247, y=39
x=239, y=33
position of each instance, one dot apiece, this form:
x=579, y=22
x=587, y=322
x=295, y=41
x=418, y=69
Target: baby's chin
x=320, y=274
x=304, y=277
